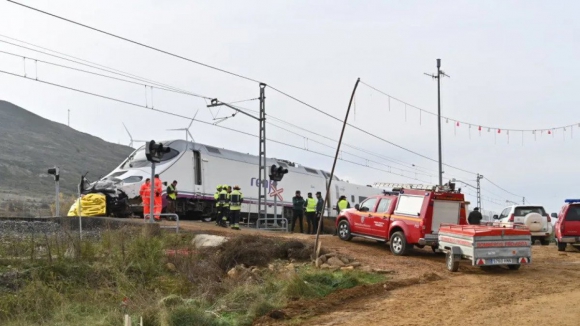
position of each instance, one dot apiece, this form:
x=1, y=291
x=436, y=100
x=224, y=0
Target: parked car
x=533, y=217
x=568, y=224
x=405, y=217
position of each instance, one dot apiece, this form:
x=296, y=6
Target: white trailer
x=199, y=168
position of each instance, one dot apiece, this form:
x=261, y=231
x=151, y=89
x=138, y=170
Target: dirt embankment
x=421, y=290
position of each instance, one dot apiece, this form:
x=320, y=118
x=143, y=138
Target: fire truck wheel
x=452, y=262
x=399, y=245
x=344, y=230
x=514, y=267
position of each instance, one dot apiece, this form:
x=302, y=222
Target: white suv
x=533, y=217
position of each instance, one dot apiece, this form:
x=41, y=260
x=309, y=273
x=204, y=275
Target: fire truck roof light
x=570, y=201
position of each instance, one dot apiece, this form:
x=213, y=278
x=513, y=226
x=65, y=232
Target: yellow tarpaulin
x=92, y=205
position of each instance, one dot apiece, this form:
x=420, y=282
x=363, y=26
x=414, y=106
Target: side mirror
x=495, y=217
x=554, y=215
x=357, y=207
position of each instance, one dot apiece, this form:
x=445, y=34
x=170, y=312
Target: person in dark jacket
x=475, y=217
x=298, y=208
x=319, y=211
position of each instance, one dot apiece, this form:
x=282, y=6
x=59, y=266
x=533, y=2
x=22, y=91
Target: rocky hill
x=30, y=144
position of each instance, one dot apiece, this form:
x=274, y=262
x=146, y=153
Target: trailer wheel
x=398, y=244
x=561, y=246
x=452, y=262
x=514, y=267
x=344, y=230
x=545, y=241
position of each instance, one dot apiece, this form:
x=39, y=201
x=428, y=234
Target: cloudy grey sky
x=513, y=64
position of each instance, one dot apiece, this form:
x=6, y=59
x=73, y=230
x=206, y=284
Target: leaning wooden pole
x=333, y=166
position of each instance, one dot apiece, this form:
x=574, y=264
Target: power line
x=170, y=89
x=87, y=64
x=507, y=191
x=105, y=76
x=200, y=121
x=366, y=132
x=234, y=74
x=135, y=42
x=463, y=122
x=351, y=146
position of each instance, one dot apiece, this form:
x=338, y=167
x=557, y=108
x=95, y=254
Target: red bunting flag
x=499, y=131
x=549, y=132
x=457, y=123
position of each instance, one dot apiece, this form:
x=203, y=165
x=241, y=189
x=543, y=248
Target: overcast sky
x=513, y=64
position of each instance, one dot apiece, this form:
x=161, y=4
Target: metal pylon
x=262, y=174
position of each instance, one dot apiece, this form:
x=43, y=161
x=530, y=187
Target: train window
x=352, y=198
x=167, y=156
x=212, y=150
x=311, y=170
x=132, y=179
x=197, y=167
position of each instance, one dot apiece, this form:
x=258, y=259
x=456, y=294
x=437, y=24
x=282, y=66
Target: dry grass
x=89, y=288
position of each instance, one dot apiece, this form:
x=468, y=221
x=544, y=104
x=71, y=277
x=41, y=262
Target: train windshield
x=139, y=160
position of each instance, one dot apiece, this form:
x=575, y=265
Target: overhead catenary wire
x=137, y=43
x=231, y=73
x=200, y=121
x=205, y=97
x=222, y=70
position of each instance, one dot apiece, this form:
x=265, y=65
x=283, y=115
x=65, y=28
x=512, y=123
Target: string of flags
x=483, y=128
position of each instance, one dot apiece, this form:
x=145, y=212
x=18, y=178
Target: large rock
x=333, y=261
x=208, y=240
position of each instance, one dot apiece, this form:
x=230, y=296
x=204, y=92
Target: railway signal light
x=277, y=172
x=55, y=171
x=154, y=152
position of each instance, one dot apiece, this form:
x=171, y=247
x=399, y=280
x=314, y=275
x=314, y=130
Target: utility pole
x=524, y=200
x=438, y=77
x=262, y=174
x=479, y=177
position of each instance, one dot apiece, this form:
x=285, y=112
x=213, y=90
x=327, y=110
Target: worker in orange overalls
x=158, y=199
x=145, y=193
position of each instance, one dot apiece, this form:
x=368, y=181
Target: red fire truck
x=406, y=216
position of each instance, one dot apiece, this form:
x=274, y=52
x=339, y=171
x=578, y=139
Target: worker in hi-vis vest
x=342, y=204
x=171, y=197
x=145, y=193
x=223, y=200
x=218, y=210
x=236, y=199
x=310, y=205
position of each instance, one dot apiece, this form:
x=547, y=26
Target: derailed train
x=199, y=168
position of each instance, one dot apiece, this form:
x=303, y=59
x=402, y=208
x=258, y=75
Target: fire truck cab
x=407, y=216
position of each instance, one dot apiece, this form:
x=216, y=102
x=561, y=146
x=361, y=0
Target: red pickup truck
x=405, y=217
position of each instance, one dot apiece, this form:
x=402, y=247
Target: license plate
x=501, y=261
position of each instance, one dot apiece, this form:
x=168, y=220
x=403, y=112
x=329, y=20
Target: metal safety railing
x=149, y=219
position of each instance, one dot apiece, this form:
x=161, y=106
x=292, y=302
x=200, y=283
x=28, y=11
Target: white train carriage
x=199, y=168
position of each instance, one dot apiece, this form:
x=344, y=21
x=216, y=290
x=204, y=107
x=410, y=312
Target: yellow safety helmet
x=224, y=186
x=219, y=187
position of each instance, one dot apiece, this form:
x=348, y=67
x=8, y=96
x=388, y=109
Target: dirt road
x=422, y=291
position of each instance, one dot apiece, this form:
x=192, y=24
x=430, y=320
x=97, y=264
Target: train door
x=197, y=174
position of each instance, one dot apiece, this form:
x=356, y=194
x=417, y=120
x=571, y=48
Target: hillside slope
x=30, y=144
